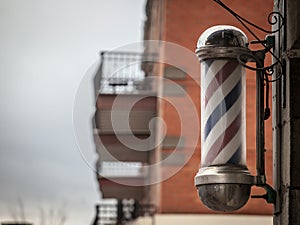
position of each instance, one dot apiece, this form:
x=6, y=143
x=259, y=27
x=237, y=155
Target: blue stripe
x=222, y=108
x=207, y=64
x=236, y=158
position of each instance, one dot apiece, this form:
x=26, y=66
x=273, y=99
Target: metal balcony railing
x=123, y=169
x=122, y=212
x=121, y=72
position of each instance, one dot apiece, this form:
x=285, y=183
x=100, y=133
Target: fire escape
x=122, y=176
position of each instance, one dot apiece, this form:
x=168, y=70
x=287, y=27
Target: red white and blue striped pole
x=223, y=180
x=223, y=112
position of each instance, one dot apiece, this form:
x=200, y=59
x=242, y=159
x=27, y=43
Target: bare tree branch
x=21, y=208
x=42, y=216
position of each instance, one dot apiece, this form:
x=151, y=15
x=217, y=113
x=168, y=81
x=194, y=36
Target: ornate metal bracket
x=263, y=75
x=274, y=18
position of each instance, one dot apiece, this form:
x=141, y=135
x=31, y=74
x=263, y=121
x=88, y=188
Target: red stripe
x=223, y=140
x=219, y=78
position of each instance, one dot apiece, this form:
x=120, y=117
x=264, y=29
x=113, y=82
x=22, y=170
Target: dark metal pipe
x=260, y=131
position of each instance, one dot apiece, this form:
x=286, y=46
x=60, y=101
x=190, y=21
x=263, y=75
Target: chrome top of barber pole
x=222, y=42
x=223, y=181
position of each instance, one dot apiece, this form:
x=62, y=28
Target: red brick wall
x=184, y=22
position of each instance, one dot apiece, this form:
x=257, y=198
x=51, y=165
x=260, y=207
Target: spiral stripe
x=220, y=127
x=222, y=91
x=229, y=151
x=222, y=116
x=237, y=156
x=219, y=78
x=222, y=108
x=207, y=65
x=210, y=70
x=223, y=140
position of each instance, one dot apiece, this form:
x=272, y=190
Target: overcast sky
x=46, y=48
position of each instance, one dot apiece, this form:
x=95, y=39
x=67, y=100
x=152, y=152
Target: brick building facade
x=182, y=22
x=161, y=174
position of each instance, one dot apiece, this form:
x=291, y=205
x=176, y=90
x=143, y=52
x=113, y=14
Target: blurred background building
x=123, y=78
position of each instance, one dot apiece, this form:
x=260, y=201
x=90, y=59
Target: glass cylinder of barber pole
x=223, y=180
x=223, y=87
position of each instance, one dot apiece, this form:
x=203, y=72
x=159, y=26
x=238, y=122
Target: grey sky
x=46, y=47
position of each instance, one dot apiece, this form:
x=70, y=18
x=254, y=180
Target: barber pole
x=223, y=180
x=223, y=112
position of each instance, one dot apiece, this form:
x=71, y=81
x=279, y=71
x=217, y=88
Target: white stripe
x=223, y=90
x=214, y=68
x=220, y=127
x=228, y=151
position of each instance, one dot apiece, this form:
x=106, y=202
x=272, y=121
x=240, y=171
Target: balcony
x=126, y=103
x=122, y=73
